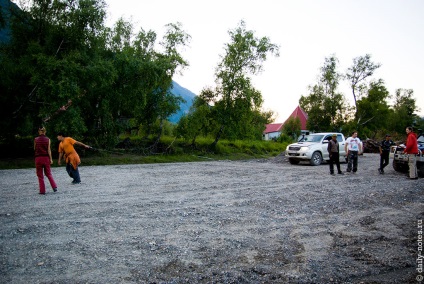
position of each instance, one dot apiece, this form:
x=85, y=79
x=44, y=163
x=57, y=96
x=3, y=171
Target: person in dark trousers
x=67, y=151
x=43, y=160
x=411, y=150
x=334, y=152
x=353, y=148
x=384, y=148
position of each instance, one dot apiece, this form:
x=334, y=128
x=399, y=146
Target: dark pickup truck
x=400, y=160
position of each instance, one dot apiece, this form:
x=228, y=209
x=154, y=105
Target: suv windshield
x=311, y=138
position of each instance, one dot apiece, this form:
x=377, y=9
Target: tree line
x=64, y=68
x=371, y=113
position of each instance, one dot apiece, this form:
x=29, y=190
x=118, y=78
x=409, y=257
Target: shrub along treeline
x=138, y=150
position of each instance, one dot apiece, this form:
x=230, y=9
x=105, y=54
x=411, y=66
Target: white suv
x=313, y=148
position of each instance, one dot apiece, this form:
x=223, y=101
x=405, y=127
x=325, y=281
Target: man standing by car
x=353, y=148
x=411, y=150
x=334, y=152
x=384, y=147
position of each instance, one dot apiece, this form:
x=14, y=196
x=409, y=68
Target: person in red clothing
x=43, y=159
x=412, y=150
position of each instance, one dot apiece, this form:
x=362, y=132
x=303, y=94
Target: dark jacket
x=386, y=144
x=333, y=146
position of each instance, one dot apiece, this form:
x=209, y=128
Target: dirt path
x=262, y=221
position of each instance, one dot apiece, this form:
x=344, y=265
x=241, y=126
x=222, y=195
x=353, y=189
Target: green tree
x=314, y=105
x=324, y=105
x=237, y=103
x=404, y=109
x=374, y=110
x=419, y=124
x=62, y=54
x=292, y=127
x=160, y=102
x=357, y=74
x=334, y=102
x=199, y=120
x=53, y=52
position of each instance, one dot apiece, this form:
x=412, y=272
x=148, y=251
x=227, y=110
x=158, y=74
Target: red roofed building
x=274, y=130
x=301, y=114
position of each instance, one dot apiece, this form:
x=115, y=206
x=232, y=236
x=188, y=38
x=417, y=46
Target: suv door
x=342, y=143
x=324, y=146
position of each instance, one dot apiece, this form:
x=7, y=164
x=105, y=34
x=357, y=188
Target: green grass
x=169, y=150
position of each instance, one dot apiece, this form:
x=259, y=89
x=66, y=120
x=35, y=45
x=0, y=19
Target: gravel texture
x=256, y=221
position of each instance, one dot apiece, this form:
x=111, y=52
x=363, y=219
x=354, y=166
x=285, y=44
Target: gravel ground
x=257, y=221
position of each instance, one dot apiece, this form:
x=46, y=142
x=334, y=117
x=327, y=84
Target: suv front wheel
x=400, y=167
x=316, y=159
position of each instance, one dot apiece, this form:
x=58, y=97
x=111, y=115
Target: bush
x=18, y=147
x=169, y=149
x=284, y=138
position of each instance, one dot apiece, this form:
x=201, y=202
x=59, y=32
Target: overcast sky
x=307, y=31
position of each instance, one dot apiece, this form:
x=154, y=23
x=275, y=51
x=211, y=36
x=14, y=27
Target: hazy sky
x=307, y=32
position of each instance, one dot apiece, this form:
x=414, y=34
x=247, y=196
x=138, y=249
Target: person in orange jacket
x=67, y=151
x=411, y=150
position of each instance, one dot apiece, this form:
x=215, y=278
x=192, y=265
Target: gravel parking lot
x=256, y=221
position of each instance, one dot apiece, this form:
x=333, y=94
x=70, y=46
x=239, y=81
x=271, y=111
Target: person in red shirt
x=411, y=150
x=43, y=159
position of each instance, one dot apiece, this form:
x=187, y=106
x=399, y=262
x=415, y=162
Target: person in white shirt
x=353, y=148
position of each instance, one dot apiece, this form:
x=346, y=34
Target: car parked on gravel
x=313, y=148
x=400, y=160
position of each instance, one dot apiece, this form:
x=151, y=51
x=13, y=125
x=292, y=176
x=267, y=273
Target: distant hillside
x=187, y=95
x=5, y=7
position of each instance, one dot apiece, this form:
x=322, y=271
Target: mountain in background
x=5, y=7
x=187, y=95
x=176, y=90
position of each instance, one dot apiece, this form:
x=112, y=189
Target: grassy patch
x=168, y=150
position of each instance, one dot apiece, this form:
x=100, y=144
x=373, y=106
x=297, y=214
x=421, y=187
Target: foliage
x=286, y=139
x=198, y=121
x=236, y=110
x=63, y=68
x=231, y=110
x=177, y=150
x=404, y=109
x=334, y=103
x=292, y=127
x=371, y=115
x=324, y=105
x=61, y=54
x=357, y=74
x=373, y=110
